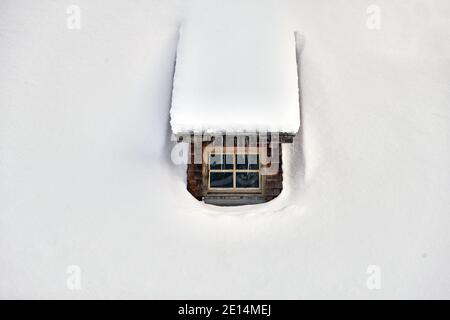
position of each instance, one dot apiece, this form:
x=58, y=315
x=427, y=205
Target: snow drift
x=86, y=177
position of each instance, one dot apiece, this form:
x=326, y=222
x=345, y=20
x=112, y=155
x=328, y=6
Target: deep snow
x=234, y=77
x=86, y=177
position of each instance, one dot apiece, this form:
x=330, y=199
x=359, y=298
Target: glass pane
x=247, y=162
x=221, y=161
x=247, y=179
x=221, y=179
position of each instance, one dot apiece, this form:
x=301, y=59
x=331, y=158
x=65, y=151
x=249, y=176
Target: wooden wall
x=194, y=176
x=272, y=184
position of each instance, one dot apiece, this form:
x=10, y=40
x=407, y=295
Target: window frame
x=235, y=151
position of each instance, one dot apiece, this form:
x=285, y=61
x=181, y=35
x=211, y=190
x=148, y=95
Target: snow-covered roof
x=235, y=79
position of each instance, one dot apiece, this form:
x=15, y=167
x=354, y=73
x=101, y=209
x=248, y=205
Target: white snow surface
x=235, y=73
x=86, y=177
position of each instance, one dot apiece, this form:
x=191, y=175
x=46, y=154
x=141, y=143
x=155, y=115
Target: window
x=234, y=171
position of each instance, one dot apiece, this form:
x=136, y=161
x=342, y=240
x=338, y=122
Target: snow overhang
x=235, y=80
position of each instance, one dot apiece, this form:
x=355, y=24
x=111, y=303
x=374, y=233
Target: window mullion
x=234, y=169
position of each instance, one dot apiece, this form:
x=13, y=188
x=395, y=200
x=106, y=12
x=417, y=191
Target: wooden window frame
x=234, y=151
